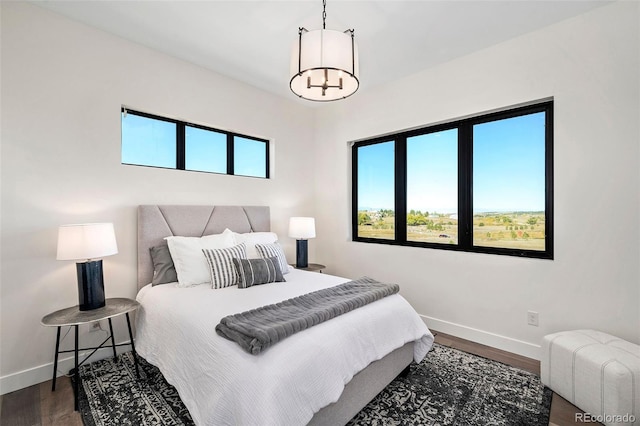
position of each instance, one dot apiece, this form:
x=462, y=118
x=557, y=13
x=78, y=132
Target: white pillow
x=221, y=267
x=274, y=250
x=250, y=239
x=188, y=259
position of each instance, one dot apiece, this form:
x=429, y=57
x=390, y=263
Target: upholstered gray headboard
x=156, y=222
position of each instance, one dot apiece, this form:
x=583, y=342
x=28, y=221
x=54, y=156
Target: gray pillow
x=163, y=270
x=275, y=249
x=258, y=271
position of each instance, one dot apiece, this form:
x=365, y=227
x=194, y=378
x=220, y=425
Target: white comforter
x=221, y=384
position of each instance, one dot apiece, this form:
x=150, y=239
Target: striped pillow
x=274, y=250
x=258, y=271
x=223, y=271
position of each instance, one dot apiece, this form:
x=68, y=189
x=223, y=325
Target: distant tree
x=525, y=236
x=363, y=218
x=387, y=213
x=514, y=235
x=416, y=220
x=532, y=221
x=480, y=224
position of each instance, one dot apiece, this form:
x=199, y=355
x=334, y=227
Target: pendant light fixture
x=324, y=63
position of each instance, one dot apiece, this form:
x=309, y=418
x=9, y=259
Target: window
x=149, y=140
x=376, y=188
x=250, y=157
x=432, y=187
x=205, y=150
x=482, y=184
x=509, y=183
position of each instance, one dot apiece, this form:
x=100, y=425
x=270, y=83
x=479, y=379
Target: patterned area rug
x=451, y=387
x=448, y=387
x=111, y=394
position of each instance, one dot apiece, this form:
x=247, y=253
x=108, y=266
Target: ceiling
x=251, y=40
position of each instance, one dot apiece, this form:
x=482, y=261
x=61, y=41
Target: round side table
x=313, y=267
x=73, y=316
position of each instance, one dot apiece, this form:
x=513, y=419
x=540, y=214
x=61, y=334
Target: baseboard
x=33, y=376
x=508, y=344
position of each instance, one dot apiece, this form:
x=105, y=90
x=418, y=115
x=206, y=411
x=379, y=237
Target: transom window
x=150, y=140
x=482, y=184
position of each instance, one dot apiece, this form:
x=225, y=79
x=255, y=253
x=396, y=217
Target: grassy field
x=517, y=230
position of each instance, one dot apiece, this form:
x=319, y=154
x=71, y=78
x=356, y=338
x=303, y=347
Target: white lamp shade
x=302, y=228
x=86, y=241
x=319, y=50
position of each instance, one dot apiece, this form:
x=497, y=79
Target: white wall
x=62, y=87
x=589, y=65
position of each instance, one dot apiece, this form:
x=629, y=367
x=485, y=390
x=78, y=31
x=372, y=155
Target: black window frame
x=181, y=145
x=465, y=183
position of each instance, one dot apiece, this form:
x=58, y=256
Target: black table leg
x=113, y=342
x=55, y=361
x=77, y=373
x=133, y=346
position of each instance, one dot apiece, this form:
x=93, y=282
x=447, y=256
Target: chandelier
x=324, y=63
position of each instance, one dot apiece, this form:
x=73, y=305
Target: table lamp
x=302, y=228
x=87, y=242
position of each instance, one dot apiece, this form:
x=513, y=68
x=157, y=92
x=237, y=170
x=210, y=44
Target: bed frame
x=158, y=221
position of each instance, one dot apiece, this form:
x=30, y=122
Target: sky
x=148, y=142
x=151, y=142
x=508, y=169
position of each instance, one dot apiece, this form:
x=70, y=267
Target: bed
x=321, y=376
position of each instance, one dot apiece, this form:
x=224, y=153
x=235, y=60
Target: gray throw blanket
x=260, y=328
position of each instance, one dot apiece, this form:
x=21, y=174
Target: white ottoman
x=597, y=372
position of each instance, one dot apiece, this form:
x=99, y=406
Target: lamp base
x=301, y=254
x=90, y=285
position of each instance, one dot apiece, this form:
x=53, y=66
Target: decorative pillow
x=186, y=252
x=258, y=271
x=222, y=270
x=163, y=270
x=253, y=238
x=274, y=250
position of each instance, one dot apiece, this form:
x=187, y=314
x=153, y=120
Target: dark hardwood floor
x=38, y=406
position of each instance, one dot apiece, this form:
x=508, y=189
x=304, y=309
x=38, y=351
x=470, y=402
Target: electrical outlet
x=532, y=318
x=95, y=326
